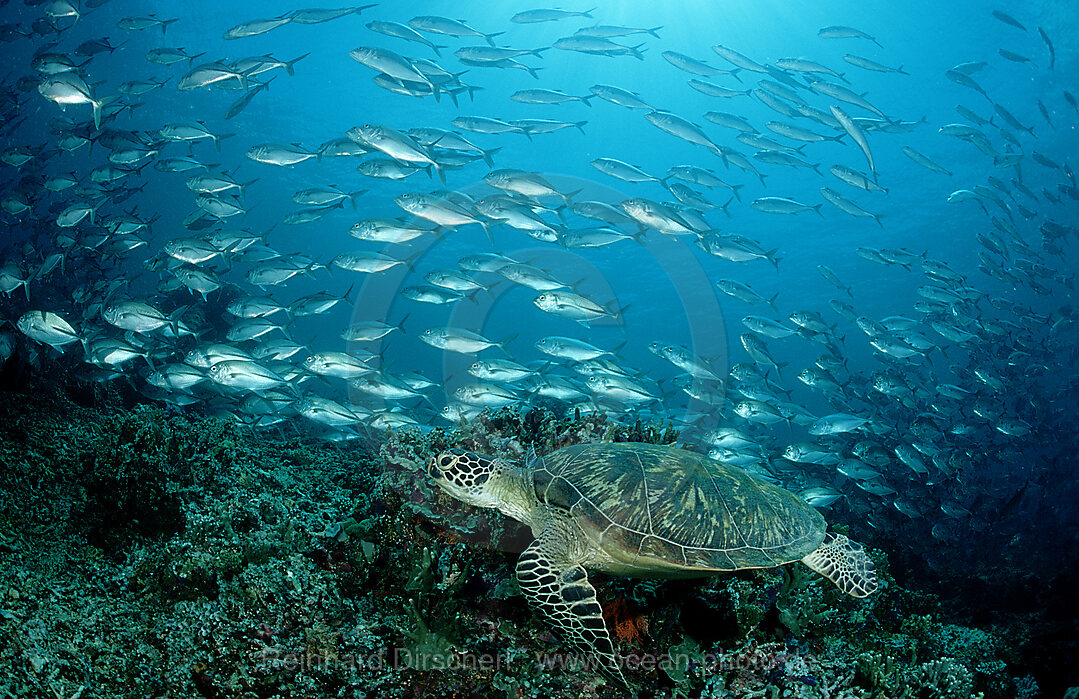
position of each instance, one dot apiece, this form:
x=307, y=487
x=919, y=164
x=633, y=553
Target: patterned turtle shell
x=667, y=511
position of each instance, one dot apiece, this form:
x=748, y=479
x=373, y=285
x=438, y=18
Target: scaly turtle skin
x=642, y=510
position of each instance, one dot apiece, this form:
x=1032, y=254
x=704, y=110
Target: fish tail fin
x=772, y=301
x=289, y=64
x=436, y=47
x=491, y=37
x=737, y=194
x=581, y=124
x=487, y=156
x=411, y=259
x=567, y=198
x=174, y=319
x=654, y=31
x=502, y=345
x=816, y=207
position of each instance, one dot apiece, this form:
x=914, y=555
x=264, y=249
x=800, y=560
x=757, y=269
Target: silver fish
x=856, y=134
x=460, y=340
x=256, y=27
x=48, y=328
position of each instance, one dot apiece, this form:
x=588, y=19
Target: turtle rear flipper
x=844, y=562
x=559, y=588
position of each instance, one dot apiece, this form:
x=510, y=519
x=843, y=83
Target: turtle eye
x=446, y=461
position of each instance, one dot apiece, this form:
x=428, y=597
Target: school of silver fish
x=971, y=363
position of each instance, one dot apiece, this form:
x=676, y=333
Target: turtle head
x=468, y=476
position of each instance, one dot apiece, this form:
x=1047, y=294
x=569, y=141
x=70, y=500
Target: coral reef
x=152, y=554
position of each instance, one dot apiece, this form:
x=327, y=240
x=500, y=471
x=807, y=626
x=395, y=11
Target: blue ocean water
x=665, y=286
x=332, y=93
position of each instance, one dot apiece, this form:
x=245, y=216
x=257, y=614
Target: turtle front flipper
x=844, y=562
x=559, y=588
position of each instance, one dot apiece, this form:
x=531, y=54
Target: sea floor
x=145, y=553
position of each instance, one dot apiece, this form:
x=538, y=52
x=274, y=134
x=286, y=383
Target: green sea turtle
x=642, y=510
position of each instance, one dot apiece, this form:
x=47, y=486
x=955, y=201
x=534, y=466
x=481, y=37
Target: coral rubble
x=153, y=554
